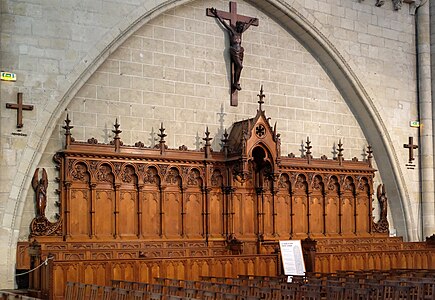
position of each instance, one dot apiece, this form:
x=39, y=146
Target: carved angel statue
x=382, y=198
x=382, y=225
x=40, y=187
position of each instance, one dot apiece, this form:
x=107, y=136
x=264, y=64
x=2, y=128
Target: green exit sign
x=414, y=124
x=8, y=76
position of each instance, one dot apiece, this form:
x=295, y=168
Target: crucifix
x=236, y=26
x=19, y=107
x=411, y=148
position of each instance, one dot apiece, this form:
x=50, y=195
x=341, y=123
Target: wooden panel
x=172, y=216
x=332, y=207
x=128, y=214
x=216, y=214
x=194, y=215
x=347, y=212
x=283, y=216
x=248, y=214
x=188, y=268
x=150, y=210
x=79, y=212
x=316, y=214
x=104, y=216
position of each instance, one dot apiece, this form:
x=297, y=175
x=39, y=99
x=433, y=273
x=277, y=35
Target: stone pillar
x=426, y=130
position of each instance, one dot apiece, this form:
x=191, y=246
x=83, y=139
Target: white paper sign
x=292, y=258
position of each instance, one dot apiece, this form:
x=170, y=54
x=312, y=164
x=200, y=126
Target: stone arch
x=290, y=19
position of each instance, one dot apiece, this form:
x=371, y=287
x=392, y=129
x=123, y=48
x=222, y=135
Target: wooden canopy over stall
x=131, y=212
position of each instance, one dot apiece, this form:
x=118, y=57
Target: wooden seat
x=311, y=292
x=228, y=296
x=116, y=283
x=376, y=291
x=93, y=292
x=394, y=290
x=138, y=295
x=289, y=294
x=120, y=294
x=155, y=296
x=70, y=290
x=174, y=297
x=334, y=292
x=189, y=284
x=349, y=290
x=362, y=293
x=107, y=293
x=206, y=285
x=249, y=298
x=190, y=293
x=172, y=290
x=155, y=288
x=208, y=295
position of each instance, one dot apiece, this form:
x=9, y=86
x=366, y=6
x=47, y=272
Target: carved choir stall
x=134, y=213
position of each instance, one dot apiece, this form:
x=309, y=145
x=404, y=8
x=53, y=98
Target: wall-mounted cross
x=411, y=148
x=236, y=26
x=19, y=107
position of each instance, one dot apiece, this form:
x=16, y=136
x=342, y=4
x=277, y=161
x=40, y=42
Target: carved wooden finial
x=68, y=127
x=308, y=148
x=340, y=153
x=162, y=136
x=225, y=141
x=370, y=155
x=117, y=138
x=261, y=97
x=207, y=147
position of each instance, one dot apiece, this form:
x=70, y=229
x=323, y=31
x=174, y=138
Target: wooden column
x=206, y=196
x=340, y=199
x=140, y=195
x=291, y=192
x=309, y=191
x=355, y=213
x=161, y=213
x=92, y=207
x=116, y=210
x=274, y=192
x=66, y=206
x=324, y=198
x=370, y=208
x=183, y=210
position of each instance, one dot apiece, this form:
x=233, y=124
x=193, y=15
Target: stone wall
x=146, y=62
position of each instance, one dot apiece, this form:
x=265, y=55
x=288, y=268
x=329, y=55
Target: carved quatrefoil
x=260, y=131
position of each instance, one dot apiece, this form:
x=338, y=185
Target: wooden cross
x=411, y=148
x=232, y=15
x=19, y=107
x=235, y=32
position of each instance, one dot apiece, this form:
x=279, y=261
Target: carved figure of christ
x=236, y=26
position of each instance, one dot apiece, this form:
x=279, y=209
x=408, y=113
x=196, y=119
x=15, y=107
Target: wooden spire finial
x=117, y=138
x=370, y=154
x=340, y=153
x=261, y=96
x=225, y=141
x=207, y=147
x=308, y=152
x=68, y=127
x=162, y=136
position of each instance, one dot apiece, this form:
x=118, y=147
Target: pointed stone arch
x=289, y=17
